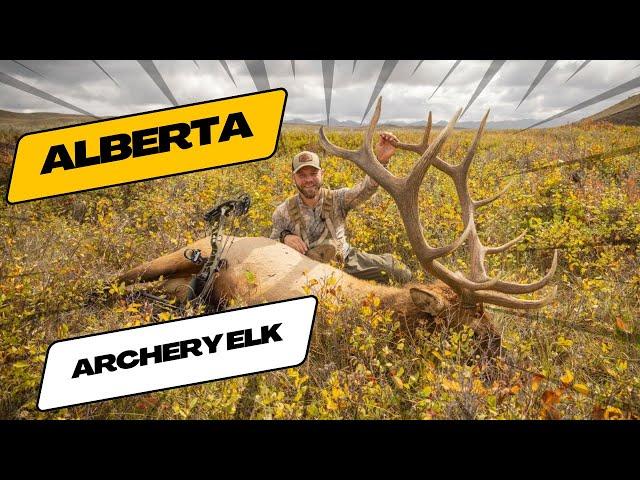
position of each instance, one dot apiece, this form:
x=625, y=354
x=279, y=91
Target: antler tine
x=427, y=255
x=506, y=246
x=368, y=138
x=364, y=156
x=427, y=132
x=502, y=300
x=515, y=288
x=421, y=147
x=434, y=253
x=418, y=147
x=414, y=178
x=336, y=150
x=456, y=280
x=486, y=201
x=466, y=163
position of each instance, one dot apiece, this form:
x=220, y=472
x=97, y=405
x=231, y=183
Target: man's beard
x=309, y=192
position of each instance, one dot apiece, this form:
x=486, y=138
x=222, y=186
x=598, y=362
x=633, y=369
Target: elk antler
x=477, y=287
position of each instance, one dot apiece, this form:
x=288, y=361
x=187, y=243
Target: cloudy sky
x=405, y=94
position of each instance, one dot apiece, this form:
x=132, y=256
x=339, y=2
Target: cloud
x=82, y=83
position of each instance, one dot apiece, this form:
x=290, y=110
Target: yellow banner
x=149, y=145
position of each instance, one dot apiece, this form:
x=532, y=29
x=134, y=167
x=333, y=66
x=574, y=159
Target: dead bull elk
x=279, y=272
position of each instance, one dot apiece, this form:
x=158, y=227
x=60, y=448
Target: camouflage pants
x=380, y=268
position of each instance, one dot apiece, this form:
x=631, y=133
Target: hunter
x=313, y=221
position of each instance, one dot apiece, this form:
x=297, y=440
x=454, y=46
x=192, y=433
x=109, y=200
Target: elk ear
x=426, y=301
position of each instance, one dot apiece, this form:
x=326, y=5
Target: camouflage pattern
x=368, y=266
x=380, y=268
x=345, y=199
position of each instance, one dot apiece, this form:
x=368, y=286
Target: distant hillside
x=626, y=112
x=14, y=124
x=499, y=125
x=18, y=120
x=334, y=122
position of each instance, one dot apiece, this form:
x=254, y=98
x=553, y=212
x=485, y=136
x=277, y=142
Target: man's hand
x=385, y=147
x=296, y=243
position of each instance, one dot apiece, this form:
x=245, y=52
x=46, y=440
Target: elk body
x=279, y=272
x=259, y=270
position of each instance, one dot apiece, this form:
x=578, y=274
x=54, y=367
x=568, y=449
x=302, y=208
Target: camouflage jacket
x=345, y=199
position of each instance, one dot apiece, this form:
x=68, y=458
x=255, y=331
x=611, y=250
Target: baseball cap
x=305, y=159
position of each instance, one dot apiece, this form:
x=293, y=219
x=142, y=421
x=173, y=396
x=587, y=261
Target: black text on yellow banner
x=150, y=145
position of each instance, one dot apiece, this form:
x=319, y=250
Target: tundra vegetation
x=575, y=358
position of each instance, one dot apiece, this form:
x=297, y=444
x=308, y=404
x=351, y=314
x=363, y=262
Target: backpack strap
x=328, y=211
x=319, y=240
x=327, y=216
x=296, y=218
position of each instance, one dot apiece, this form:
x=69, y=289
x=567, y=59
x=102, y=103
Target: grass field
x=577, y=358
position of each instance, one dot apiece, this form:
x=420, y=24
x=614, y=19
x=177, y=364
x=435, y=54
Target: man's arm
x=280, y=223
x=350, y=198
x=283, y=230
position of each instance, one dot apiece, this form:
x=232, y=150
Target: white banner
x=177, y=353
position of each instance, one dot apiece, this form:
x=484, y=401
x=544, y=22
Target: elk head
x=474, y=288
